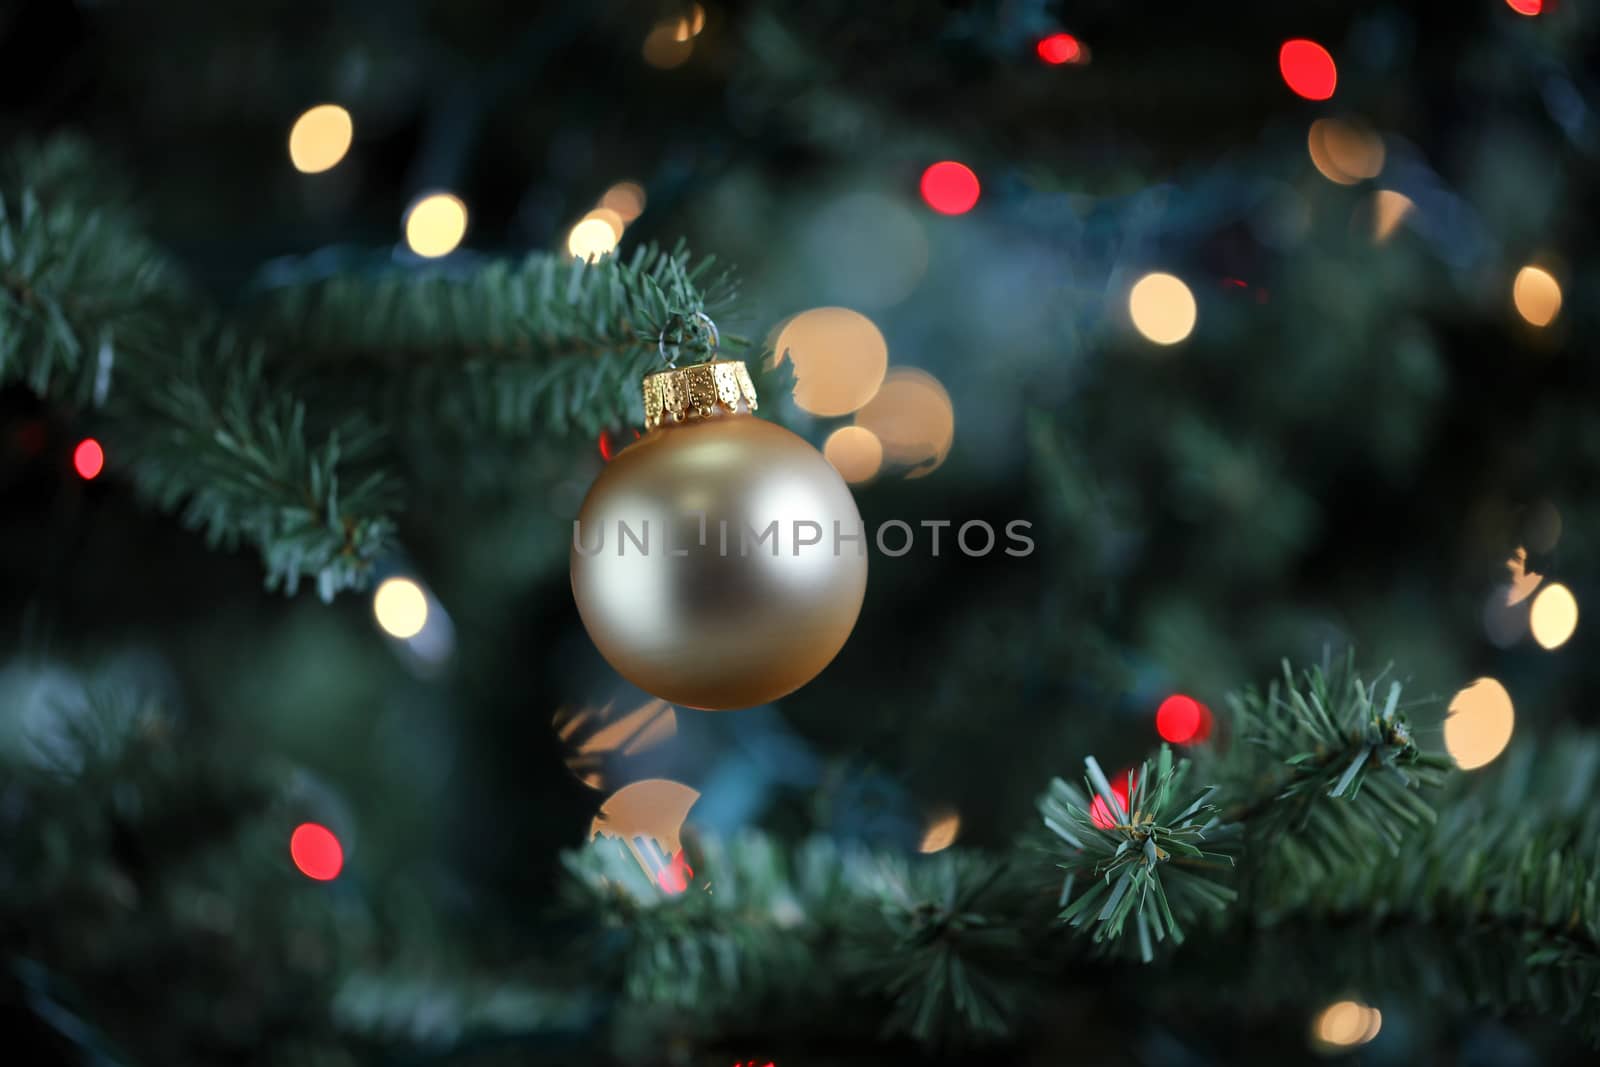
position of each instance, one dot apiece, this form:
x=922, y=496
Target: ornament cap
x=698, y=391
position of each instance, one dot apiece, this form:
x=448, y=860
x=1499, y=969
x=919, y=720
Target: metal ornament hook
x=672, y=360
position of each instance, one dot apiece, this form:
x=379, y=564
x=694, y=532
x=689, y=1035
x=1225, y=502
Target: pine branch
x=540, y=346
x=1323, y=775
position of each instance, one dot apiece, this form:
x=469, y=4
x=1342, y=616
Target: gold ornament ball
x=686, y=598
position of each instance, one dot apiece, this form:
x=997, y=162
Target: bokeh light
x=1526, y=7
x=1059, y=48
x=1163, y=308
x=913, y=420
x=595, y=740
x=950, y=188
x=1537, y=295
x=1183, y=720
x=1100, y=813
x=1345, y=1024
x=839, y=358
x=1308, y=69
x=1523, y=581
x=592, y=238
x=320, y=138
x=316, y=852
x=627, y=199
x=647, y=817
x=1554, y=616
x=1389, y=210
x=1479, y=724
x=1345, y=151
x=664, y=49
x=610, y=218
x=436, y=224
x=855, y=452
x=401, y=608
x=941, y=833
x=691, y=24
x=88, y=459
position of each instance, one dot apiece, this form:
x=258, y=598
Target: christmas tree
x=1210, y=388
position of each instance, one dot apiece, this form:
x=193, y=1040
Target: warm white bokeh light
x=855, y=452
x=1479, y=725
x=1554, y=616
x=1389, y=210
x=1346, y=1023
x=627, y=199
x=592, y=238
x=436, y=224
x=839, y=359
x=664, y=49
x=941, y=833
x=1345, y=152
x=610, y=218
x=401, y=608
x=1163, y=308
x=320, y=138
x=913, y=420
x=1537, y=295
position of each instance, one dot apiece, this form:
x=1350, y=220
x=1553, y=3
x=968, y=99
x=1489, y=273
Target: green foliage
x=1142, y=862
x=512, y=349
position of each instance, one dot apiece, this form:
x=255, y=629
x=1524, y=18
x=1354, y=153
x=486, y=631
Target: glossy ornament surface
x=719, y=562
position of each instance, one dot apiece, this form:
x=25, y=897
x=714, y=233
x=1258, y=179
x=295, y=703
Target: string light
x=950, y=188
x=1554, y=616
x=1537, y=295
x=1100, y=813
x=913, y=419
x=1346, y=1024
x=627, y=199
x=1059, y=48
x=88, y=459
x=592, y=238
x=855, y=452
x=436, y=224
x=1345, y=152
x=691, y=24
x=1479, y=724
x=664, y=49
x=401, y=608
x=1183, y=720
x=839, y=358
x=941, y=833
x=1526, y=7
x=320, y=138
x=316, y=852
x=1163, y=308
x=1389, y=210
x=1308, y=69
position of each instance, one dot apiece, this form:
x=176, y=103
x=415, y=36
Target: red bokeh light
x=1100, y=812
x=609, y=444
x=674, y=878
x=88, y=459
x=1059, y=48
x=316, y=852
x=950, y=188
x=1526, y=7
x=1308, y=69
x=1180, y=720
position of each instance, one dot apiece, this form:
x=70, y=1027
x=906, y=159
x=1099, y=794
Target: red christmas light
x=88, y=459
x=1059, y=48
x=950, y=188
x=1308, y=69
x=1100, y=812
x=1526, y=7
x=316, y=852
x=608, y=443
x=674, y=878
x=1178, y=719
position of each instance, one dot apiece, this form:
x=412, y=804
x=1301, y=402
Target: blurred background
x=1267, y=317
